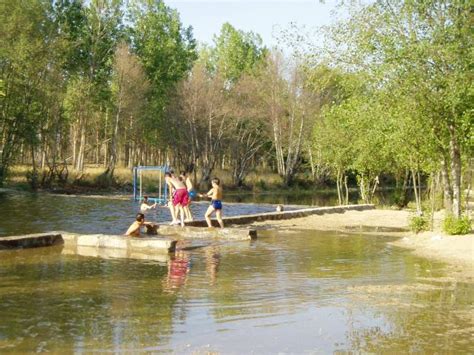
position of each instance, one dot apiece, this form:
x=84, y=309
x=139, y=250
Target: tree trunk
x=455, y=155
x=346, y=198
x=109, y=172
x=338, y=186
x=447, y=192
x=415, y=189
x=34, y=174
x=82, y=147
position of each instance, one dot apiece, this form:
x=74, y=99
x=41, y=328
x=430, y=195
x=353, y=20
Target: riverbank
x=91, y=181
x=457, y=251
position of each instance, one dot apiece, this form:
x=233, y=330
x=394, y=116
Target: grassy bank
x=89, y=181
x=268, y=186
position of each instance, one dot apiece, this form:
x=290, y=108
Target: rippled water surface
x=22, y=213
x=287, y=292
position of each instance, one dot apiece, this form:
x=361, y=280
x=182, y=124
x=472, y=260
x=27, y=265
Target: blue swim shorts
x=217, y=204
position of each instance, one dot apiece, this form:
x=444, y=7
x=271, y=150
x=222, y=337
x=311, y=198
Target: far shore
x=457, y=251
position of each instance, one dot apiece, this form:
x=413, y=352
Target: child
x=216, y=203
x=191, y=193
x=180, y=197
x=145, y=206
x=134, y=229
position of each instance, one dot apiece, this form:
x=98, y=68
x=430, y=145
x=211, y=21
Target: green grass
x=257, y=181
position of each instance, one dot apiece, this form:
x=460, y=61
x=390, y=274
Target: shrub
x=32, y=176
x=419, y=223
x=261, y=185
x=457, y=226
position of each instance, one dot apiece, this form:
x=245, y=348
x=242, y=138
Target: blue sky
x=264, y=17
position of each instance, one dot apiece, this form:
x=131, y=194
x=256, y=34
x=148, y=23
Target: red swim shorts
x=181, y=197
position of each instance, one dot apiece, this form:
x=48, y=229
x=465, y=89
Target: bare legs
x=173, y=213
x=208, y=214
x=187, y=213
x=181, y=215
x=178, y=214
x=219, y=218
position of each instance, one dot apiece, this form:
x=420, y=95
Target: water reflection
x=213, y=258
x=298, y=292
x=178, y=268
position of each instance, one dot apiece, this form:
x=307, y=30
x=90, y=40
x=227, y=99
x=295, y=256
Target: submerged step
x=31, y=240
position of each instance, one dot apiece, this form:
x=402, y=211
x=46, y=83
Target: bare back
x=176, y=183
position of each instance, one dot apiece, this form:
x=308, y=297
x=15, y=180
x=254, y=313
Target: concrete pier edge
x=163, y=243
x=73, y=240
x=248, y=219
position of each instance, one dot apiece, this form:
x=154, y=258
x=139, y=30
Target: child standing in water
x=145, y=206
x=216, y=203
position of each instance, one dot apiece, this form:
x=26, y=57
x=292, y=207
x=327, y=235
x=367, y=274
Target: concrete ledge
x=195, y=232
x=107, y=253
x=104, y=241
x=31, y=241
x=248, y=219
x=99, y=241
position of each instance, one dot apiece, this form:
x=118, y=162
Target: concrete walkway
x=72, y=240
x=249, y=219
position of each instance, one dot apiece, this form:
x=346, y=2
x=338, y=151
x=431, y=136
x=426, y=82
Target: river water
x=287, y=292
x=22, y=213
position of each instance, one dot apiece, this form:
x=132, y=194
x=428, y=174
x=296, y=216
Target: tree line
x=389, y=93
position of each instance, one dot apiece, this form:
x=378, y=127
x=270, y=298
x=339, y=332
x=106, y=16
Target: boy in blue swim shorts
x=216, y=203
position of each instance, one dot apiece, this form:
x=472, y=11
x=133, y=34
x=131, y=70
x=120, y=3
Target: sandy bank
x=455, y=250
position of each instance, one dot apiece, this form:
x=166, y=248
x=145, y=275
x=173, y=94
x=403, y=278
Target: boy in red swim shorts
x=180, y=197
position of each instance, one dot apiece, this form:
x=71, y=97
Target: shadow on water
x=286, y=292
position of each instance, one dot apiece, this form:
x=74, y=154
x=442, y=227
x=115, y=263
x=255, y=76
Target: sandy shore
x=454, y=250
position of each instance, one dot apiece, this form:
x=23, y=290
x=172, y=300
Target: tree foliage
x=387, y=97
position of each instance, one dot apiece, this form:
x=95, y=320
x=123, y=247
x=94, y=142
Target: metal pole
x=165, y=168
x=134, y=183
x=141, y=184
x=159, y=179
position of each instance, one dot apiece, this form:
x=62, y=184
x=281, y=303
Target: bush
x=457, y=226
x=419, y=223
x=32, y=176
x=261, y=185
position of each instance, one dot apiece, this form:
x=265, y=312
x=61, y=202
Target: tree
x=290, y=108
x=129, y=91
x=420, y=47
x=167, y=51
x=28, y=41
x=236, y=53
